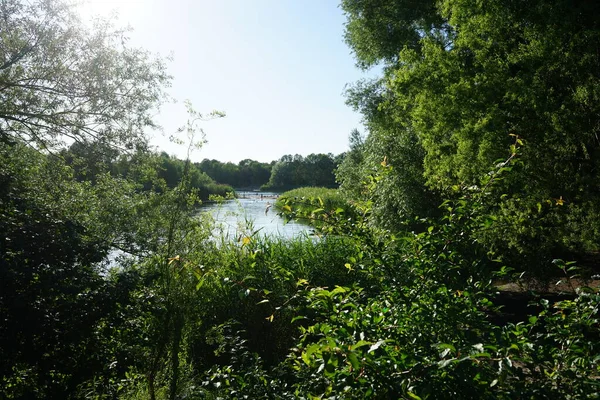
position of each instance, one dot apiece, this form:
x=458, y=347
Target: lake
x=253, y=209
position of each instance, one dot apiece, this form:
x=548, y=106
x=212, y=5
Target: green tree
x=53, y=296
x=62, y=81
x=297, y=171
x=349, y=174
x=460, y=78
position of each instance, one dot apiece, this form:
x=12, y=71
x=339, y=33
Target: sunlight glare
x=124, y=9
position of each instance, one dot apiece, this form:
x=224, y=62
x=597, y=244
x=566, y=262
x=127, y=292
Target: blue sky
x=277, y=68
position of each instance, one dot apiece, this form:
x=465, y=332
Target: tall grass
x=251, y=283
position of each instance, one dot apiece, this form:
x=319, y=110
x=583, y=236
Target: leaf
x=353, y=359
x=305, y=358
x=447, y=346
x=338, y=289
x=360, y=343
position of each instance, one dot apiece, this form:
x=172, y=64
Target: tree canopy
x=247, y=173
x=296, y=171
x=62, y=81
x=462, y=80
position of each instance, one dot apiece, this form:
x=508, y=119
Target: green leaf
x=360, y=343
x=446, y=346
x=353, y=360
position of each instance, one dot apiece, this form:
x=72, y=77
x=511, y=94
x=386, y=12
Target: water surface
x=253, y=212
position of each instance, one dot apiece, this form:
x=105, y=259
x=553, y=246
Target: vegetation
x=288, y=172
x=91, y=160
x=312, y=204
x=61, y=80
x=112, y=287
x=461, y=81
x=315, y=170
x=248, y=174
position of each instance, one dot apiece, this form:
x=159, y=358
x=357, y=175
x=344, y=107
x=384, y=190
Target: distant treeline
x=208, y=176
x=296, y=171
x=152, y=171
x=286, y=173
x=248, y=174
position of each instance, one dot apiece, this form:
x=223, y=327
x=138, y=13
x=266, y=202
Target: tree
x=296, y=171
x=462, y=77
x=403, y=195
x=349, y=174
x=53, y=296
x=62, y=81
x=377, y=30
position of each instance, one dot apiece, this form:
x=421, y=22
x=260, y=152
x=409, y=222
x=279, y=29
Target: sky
x=277, y=68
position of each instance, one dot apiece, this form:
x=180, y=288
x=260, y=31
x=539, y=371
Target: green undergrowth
x=356, y=312
x=417, y=321
x=313, y=204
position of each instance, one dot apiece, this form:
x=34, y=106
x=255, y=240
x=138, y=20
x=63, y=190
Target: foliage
x=296, y=171
x=425, y=331
x=418, y=321
x=380, y=304
x=53, y=295
x=403, y=196
x=459, y=78
x=313, y=205
x=360, y=313
x=247, y=173
x=348, y=174
x=377, y=30
x=59, y=79
x=89, y=160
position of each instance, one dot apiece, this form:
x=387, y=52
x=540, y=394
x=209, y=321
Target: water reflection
x=252, y=212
